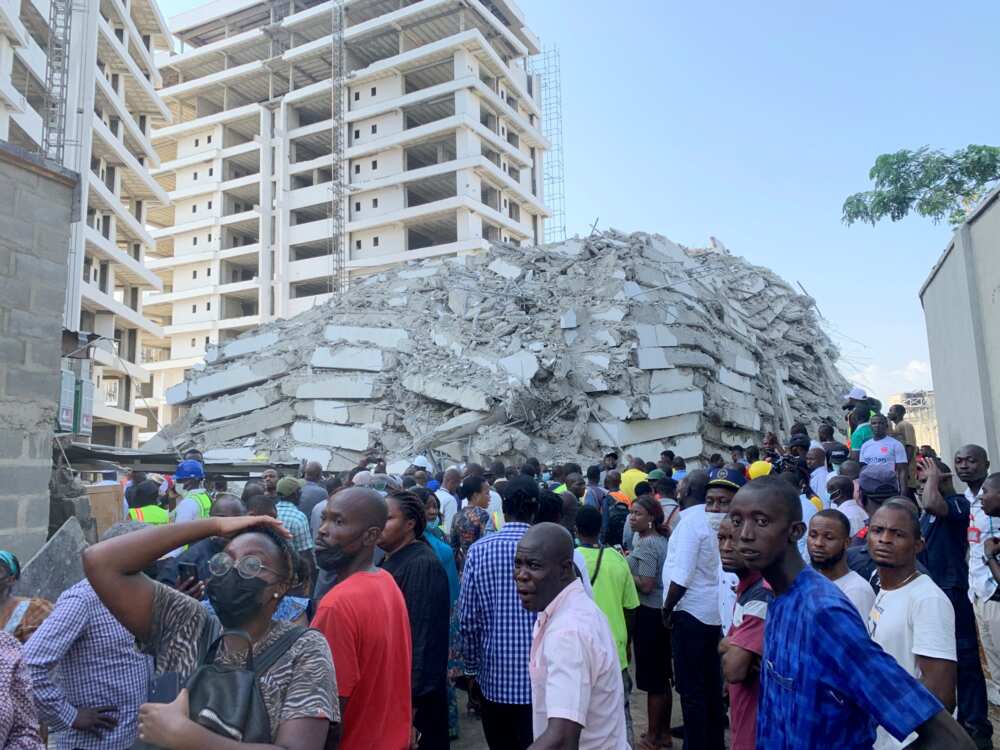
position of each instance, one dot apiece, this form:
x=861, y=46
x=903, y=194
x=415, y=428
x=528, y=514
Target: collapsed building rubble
x=623, y=341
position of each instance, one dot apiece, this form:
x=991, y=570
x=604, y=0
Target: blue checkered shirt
x=297, y=523
x=82, y=657
x=823, y=682
x=495, y=629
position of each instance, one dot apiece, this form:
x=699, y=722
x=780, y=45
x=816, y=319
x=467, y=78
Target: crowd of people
x=806, y=593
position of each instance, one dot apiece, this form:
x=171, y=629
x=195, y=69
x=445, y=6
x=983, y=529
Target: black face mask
x=235, y=599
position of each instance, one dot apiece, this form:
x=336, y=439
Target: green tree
x=932, y=183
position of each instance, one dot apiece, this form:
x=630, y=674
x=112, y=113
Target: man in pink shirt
x=577, y=701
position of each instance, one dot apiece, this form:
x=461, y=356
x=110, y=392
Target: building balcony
x=141, y=54
x=111, y=361
x=213, y=80
x=134, y=272
x=102, y=198
x=10, y=23
x=93, y=299
x=140, y=95
x=114, y=415
x=231, y=117
x=135, y=179
x=108, y=97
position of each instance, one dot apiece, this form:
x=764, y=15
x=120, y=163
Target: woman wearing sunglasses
x=248, y=580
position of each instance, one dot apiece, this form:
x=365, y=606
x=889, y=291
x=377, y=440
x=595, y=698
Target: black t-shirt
x=946, y=544
x=424, y=583
x=836, y=453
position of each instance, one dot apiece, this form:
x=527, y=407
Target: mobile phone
x=186, y=570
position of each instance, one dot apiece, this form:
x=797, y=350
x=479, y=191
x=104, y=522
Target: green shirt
x=861, y=435
x=614, y=592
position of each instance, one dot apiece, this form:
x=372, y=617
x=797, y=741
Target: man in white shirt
x=448, y=499
x=691, y=605
x=818, y=474
x=911, y=619
x=576, y=690
x=885, y=455
x=972, y=467
x=828, y=537
x=841, y=490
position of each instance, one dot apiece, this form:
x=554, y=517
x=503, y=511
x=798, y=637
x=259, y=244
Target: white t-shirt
x=883, y=455
x=859, y=591
x=449, y=508
x=808, y=511
x=915, y=620
x=693, y=562
x=855, y=515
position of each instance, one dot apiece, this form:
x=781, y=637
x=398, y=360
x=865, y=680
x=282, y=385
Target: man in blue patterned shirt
x=88, y=677
x=495, y=629
x=824, y=682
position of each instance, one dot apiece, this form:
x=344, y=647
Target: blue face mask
x=546, y=476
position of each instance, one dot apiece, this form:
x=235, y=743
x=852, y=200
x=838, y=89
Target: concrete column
x=467, y=143
x=265, y=269
x=465, y=64
x=468, y=184
x=467, y=103
x=286, y=118
x=470, y=225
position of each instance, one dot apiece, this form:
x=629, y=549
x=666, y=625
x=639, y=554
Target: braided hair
x=412, y=508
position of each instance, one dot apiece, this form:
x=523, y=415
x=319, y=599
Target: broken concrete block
x=309, y=453
x=611, y=315
x=600, y=361
x=677, y=402
x=387, y=338
x=686, y=446
x=521, y=366
x=247, y=345
x=616, y=406
x=336, y=386
x=467, y=398
x=319, y=433
x=655, y=335
x=56, y=566
x=348, y=358
x=505, y=269
x=231, y=378
x=642, y=431
x=568, y=319
x=230, y=406
x=226, y=455
x=261, y=420
x=606, y=337
x=653, y=359
x=662, y=381
x=680, y=357
x=734, y=380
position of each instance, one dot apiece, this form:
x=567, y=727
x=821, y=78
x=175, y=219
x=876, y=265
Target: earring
x=275, y=596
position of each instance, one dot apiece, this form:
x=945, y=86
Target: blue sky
x=751, y=122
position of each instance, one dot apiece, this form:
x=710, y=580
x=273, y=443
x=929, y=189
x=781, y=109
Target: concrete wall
x=37, y=206
x=961, y=301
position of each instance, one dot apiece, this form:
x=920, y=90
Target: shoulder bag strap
x=597, y=568
x=276, y=650
x=17, y=615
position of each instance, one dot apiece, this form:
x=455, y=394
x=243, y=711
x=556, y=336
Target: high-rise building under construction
x=315, y=142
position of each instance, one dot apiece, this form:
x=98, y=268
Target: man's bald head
x=543, y=565
x=697, y=487
x=227, y=506
x=613, y=480
x=313, y=471
x=365, y=504
x=815, y=458
x=451, y=479
x=850, y=469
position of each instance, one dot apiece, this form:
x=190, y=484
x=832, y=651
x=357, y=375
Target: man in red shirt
x=365, y=621
x=744, y=643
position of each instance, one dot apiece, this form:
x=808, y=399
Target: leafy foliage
x=932, y=183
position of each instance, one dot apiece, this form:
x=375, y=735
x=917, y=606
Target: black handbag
x=227, y=700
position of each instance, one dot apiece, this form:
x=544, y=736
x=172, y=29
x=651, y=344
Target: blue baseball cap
x=728, y=478
x=189, y=470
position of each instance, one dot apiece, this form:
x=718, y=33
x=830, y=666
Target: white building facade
x=440, y=141
x=111, y=107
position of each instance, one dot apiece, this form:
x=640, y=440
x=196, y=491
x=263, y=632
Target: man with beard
x=829, y=537
x=365, y=621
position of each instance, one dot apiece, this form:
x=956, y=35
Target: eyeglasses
x=247, y=567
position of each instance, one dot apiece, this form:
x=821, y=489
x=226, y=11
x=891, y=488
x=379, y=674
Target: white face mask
x=714, y=520
x=180, y=490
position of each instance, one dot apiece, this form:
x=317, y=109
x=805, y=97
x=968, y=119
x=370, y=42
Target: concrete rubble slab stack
x=623, y=341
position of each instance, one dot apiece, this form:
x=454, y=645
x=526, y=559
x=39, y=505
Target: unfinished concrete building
x=316, y=142
x=561, y=352
x=96, y=61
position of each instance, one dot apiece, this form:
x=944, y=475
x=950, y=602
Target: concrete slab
x=432, y=388
x=642, y=431
x=336, y=386
x=230, y=406
x=677, y=402
x=319, y=433
x=521, y=366
x=652, y=358
x=663, y=381
x=616, y=406
x=262, y=420
x=505, y=269
x=348, y=358
x=308, y=453
x=654, y=335
x=56, y=566
x=386, y=338
x=734, y=380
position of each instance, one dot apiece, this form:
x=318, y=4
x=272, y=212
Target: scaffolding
x=338, y=187
x=547, y=67
x=56, y=80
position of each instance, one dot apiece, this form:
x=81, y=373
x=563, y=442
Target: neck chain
x=905, y=581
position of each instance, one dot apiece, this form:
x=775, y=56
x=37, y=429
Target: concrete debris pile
x=624, y=341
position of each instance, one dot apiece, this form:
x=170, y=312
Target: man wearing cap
x=144, y=505
x=289, y=491
x=193, y=503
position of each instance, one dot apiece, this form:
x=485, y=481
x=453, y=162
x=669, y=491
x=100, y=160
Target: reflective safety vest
x=151, y=514
x=204, y=502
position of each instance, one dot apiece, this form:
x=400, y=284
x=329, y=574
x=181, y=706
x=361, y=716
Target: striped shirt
x=82, y=657
x=495, y=629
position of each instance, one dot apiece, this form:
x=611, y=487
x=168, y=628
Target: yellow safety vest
x=204, y=502
x=151, y=514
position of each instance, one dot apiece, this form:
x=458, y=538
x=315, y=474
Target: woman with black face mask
x=248, y=580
